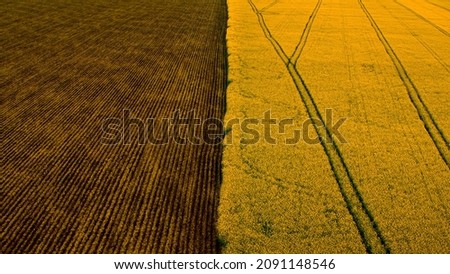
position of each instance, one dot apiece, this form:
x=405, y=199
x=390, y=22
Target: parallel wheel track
x=437, y=5
x=432, y=127
x=366, y=225
x=424, y=19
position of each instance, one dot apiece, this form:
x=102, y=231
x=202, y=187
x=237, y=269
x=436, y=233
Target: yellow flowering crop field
x=383, y=188
x=225, y=126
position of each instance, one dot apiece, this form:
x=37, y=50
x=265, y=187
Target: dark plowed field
x=66, y=66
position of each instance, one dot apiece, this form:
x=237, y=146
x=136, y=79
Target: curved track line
x=366, y=225
x=304, y=37
x=436, y=133
x=424, y=19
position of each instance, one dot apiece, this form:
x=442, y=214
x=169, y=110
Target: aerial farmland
x=296, y=126
x=69, y=65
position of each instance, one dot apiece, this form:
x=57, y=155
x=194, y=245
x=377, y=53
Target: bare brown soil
x=68, y=65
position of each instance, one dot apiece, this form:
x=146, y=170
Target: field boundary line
x=432, y=127
x=423, y=18
x=366, y=225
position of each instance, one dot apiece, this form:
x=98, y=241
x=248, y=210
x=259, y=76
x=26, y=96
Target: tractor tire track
x=432, y=127
x=437, y=5
x=366, y=225
x=431, y=51
x=269, y=5
x=423, y=43
x=304, y=37
x=424, y=19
